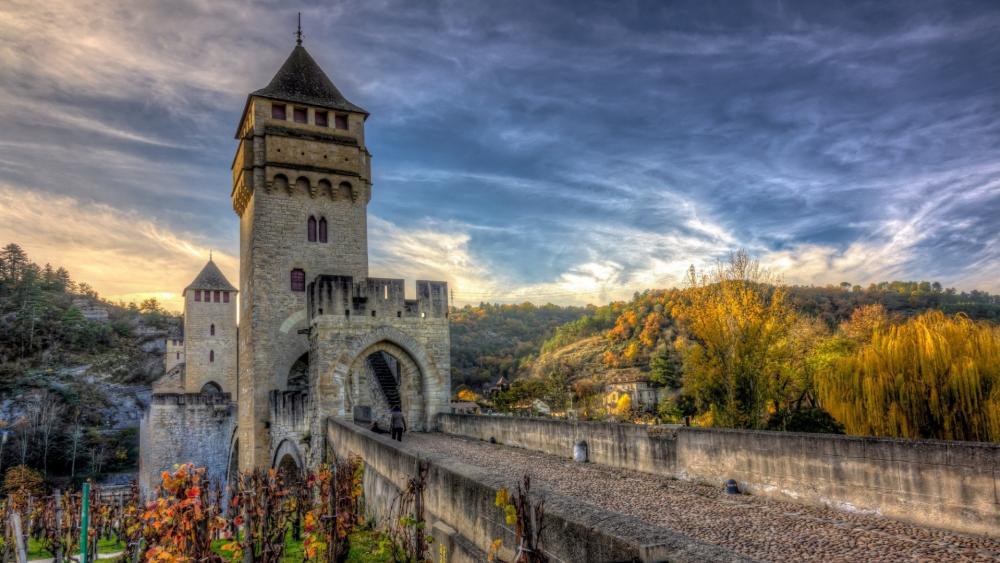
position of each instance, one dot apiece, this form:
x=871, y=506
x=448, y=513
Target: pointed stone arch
x=335, y=387
x=287, y=451
x=303, y=185
x=280, y=182
x=345, y=191
x=326, y=188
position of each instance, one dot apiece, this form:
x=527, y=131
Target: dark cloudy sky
x=551, y=151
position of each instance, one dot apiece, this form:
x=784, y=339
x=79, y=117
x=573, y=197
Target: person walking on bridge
x=397, y=424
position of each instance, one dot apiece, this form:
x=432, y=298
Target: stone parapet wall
x=951, y=485
x=628, y=446
x=461, y=514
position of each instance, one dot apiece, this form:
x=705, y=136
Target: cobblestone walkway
x=758, y=527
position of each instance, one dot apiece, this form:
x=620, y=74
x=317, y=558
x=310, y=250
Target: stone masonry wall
x=290, y=413
x=952, y=485
x=182, y=428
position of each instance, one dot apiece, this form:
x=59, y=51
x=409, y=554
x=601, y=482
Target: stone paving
x=755, y=526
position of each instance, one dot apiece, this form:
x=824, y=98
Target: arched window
x=298, y=280
x=312, y=229
x=322, y=229
x=211, y=330
x=211, y=388
x=211, y=355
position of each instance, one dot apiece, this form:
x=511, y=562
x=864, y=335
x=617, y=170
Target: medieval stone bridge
x=659, y=497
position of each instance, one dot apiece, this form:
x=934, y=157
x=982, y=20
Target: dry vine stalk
x=180, y=524
x=405, y=526
x=528, y=520
x=265, y=508
x=336, y=513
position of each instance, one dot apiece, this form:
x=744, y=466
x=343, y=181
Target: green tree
x=665, y=369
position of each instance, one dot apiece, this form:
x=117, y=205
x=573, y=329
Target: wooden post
x=248, y=539
x=84, y=522
x=57, y=498
x=20, y=550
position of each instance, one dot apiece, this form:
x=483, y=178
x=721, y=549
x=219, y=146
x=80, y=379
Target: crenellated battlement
x=191, y=399
x=376, y=297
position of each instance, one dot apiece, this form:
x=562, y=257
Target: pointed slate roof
x=301, y=80
x=211, y=277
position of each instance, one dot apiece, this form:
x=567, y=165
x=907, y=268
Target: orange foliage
x=179, y=525
x=467, y=395
x=651, y=330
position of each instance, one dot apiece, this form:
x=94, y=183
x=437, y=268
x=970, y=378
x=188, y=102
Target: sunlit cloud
x=124, y=256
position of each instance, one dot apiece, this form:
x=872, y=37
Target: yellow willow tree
x=736, y=361
x=934, y=376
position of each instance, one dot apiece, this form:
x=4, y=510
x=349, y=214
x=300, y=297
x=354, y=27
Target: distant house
x=645, y=395
x=500, y=385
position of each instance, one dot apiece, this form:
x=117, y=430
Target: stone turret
x=210, y=333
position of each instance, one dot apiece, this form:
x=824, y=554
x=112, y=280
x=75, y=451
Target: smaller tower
x=174, y=355
x=210, y=333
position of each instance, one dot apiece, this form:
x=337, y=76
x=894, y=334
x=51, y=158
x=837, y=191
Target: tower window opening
x=301, y=115
x=340, y=121
x=298, y=279
x=217, y=296
x=399, y=314
x=373, y=312
x=197, y=295
x=321, y=119
x=278, y=111
x=322, y=229
x=211, y=330
x=311, y=230
x=178, y=356
x=211, y=355
x=225, y=297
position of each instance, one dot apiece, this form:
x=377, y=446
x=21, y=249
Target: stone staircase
x=386, y=379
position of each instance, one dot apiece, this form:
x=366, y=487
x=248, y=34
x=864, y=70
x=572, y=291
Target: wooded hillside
x=73, y=370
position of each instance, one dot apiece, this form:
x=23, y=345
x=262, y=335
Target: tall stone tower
x=301, y=187
x=210, y=333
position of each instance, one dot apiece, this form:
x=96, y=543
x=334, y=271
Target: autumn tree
x=736, y=359
x=21, y=481
x=933, y=376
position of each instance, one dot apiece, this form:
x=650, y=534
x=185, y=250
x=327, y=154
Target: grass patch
x=366, y=547
x=36, y=549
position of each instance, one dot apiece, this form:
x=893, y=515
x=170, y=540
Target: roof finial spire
x=209, y=254
x=298, y=34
